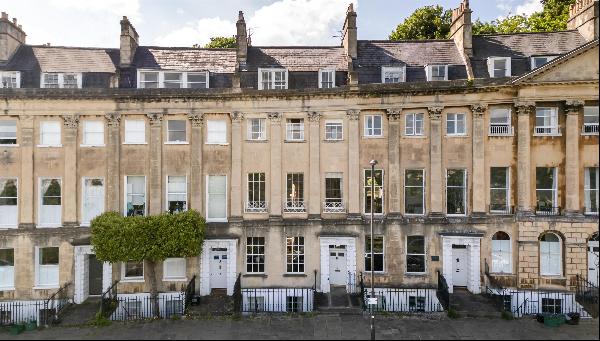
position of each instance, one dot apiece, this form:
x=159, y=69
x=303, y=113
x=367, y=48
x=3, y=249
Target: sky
x=95, y=23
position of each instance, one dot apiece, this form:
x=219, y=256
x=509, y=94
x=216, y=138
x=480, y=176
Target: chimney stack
x=461, y=29
x=350, y=40
x=583, y=16
x=11, y=37
x=129, y=42
x=241, y=40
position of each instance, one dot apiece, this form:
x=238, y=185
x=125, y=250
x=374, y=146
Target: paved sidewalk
x=322, y=327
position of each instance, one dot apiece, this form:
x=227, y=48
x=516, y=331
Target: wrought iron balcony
x=547, y=210
x=547, y=131
x=501, y=210
x=589, y=129
x=256, y=206
x=333, y=206
x=296, y=206
x=501, y=130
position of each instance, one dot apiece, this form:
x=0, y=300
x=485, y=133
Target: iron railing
x=17, y=312
x=55, y=305
x=501, y=130
x=237, y=294
x=352, y=286
x=361, y=286
x=277, y=300
x=550, y=131
x=590, y=128
x=587, y=294
x=130, y=308
x=442, y=292
x=190, y=292
x=256, y=206
x=108, y=300
x=295, y=206
x=405, y=300
x=547, y=211
x=501, y=209
x=333, y=206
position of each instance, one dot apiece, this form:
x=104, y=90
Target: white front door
x=593, y=262
x=218, y=268
x=460, y=267
x=337, y=265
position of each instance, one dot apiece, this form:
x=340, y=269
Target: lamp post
x=373, y=164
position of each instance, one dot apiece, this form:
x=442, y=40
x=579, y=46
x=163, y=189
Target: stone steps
x=467, y=304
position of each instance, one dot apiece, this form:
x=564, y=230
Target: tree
x=510, y=24
x=553, y=17
x=221, y=43
x=429, y=22
x=150, y=240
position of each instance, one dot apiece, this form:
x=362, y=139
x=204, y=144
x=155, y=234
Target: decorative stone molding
x=155, y=119
x=196, y=119
x=524, y=108
x=313, y=116
x=394, y=114
x=275, y=117
x=435, y=113
x=478, y=110
x=573, y=107
x=324, y=243
x=230, y=270
x=113, y=118
x=71, y=121
x=236, y=117
x=353, y=114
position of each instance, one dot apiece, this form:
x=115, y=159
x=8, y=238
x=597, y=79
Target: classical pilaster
x=236, y=165
x=275, y=197
x=524, y=110
x=113, y=177
x=353, y=162
x=395, y=193
x=71, y=124
x=436, y=188
x=573, y=109
x=26, y=180
x=196, y=188
x=479, y=187
x=314, y=176
x=155, y=193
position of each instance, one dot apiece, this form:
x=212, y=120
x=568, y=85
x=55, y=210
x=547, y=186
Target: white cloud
x=529, y=7
x=199, y=33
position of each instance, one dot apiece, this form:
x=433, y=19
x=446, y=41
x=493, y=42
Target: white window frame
x=554, y=188
x=253, y=205
x=334, y=205
x=61, y=79
x=393, y=69
x=53, y=268
x=366, y=187
x=424, y=254
x=7, y=274
x=424, y=191
x=290, y=129
x=250, y=253
x=589, y=192
x=160, y=79
x=590, y=128
x=465, y=188
x=548, y=60
x=12, y=74
x=185, y=141
x=429, y=72
x=217, y=219
x=298, y=203
x=507, y=189
x=368, y=245
x=128, y=139
x=15, y=207
x=331, y=73
x=45, y=134
x=338, y=129
x=501, y=128
x=298, y=245
x=371, y=132
x=125, y=192
x=168, y=192
x=550, y=113
x=83, y=198
x=40, y=203
x=272, y=83
x=416, y=116
x=491, y=66
x=547, y=272
x=87, y=127
x=260, y=135
x=214, y=132
x=133, y=279
x=16, y=137
x=502, y=252
x=456, y=120
x=175, y=262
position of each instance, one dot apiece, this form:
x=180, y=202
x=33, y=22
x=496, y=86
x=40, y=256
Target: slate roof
x=411, y=53
x=297, y=59
x=185, y=59
x=64, y=59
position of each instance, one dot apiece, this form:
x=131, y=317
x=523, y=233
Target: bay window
x=50, y=208
x=9, y=211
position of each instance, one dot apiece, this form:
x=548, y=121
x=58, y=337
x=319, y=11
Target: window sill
x=261, y=275
x=257, y=140
x=217, y=143
x=509, y=274
x=414, y=136
x=415, y=215
x=46, y=287
x=295, y=141
x=177, y=143
x=175, y=279
x=92, y=145
x=49, y=146
x=7, y=288
x=17, y=146
x=216, y=220
x=457, y=135
x=373, y=137
x=548, y=135
x=456, y=215
x=133, y=280
x=553, y=276
x=8, y=227
x=135, y=143
x=333, y=141
x=295, y=275
x=40, y=226
x=417, y=274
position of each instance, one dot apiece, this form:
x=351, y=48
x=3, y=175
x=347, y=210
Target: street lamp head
x=373, y=163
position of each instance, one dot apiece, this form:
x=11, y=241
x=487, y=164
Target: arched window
x=501, y=255
x=550, y=255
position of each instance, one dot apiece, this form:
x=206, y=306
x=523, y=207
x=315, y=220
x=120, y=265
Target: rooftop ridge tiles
x=522, y=33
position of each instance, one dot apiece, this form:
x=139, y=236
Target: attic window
x=61, y=80
x=538, y=61
x=393, y=74
x=437, y=72
x=327, y=78
x=172, y=79
x=499, y=67
x=10, y=79
x=269, y=79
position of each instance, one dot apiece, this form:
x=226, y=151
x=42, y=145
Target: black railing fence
x=237, y=294
x=130, y=308
x=190, y=292
x=361, y=286
x=404, y=300
x=353, y=286
x=55, y=305
x=587, y=294
x=277, y=300
x=442, y=292
x=16, y=312
x=547, y=210
x=108, y=300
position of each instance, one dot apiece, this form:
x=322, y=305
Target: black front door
x=95, y=276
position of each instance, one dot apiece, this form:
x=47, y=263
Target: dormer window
x=148, y=79
x=10, y=79
x=499, y=67
x=393, y=74
x=54, y=80
x=437, y=72
x=538, y=61
x=272, y=79
x=326, y=78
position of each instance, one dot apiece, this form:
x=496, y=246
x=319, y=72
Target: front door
x=460, y=267
x=337, y=265
x=94, y=276
x=218, y=268
x=593, y=262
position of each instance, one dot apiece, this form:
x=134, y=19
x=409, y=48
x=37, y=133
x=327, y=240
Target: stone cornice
x=573, y=106
x=275, y=117
x=70, y=121
x=524, y=107
x=478, y=110
x=435, y=113
x=155, y=119
x=113, y=118
x=353, y=114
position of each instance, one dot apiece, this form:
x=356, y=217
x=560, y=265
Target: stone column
x=572, y=174
x=113, y=173
x=314, y=174
x=155, y=193
x=353, y=163
x=436, y=186
x=196, y=188
x=236, y=165
x=27, y=183
x=69, y=185
x=276, y=197
x=395, y=193
x=479, y=187
x=524, y=111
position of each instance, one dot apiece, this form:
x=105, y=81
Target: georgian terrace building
x=487, y=150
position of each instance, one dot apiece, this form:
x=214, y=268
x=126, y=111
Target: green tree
x=429, y=22
x=511, y=24
x=553, y=17
x=151, y=240
x=221, y=43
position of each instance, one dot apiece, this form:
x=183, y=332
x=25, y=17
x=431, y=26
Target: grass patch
x=100, y=321
x=453, y=314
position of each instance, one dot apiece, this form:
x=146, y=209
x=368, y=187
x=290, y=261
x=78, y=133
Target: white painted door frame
x=231, y=246
x=337, y=263
x=81, y=282
x=593, y=262
x=474, y=274
x=350, y=243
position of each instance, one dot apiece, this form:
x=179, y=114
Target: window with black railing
x=591, y=191
x=590, y=120
x=500, y=190
x=546, y=191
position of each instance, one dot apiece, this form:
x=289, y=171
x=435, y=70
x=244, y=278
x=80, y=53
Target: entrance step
x=338, y=301
x=467, y=304
x=80, y=314
x=218, y=303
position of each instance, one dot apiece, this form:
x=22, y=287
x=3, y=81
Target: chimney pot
x=4, y=15
x=15, y=21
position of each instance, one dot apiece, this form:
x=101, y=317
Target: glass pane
x=134, y=269
x=498, y=177
x=415, y=244
x=7, y=257
x=544, y=178
x=48, y=256
x=456, y=201
x=456, y=177
x=414, y=200
x=500, y=116
x=415, y=263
